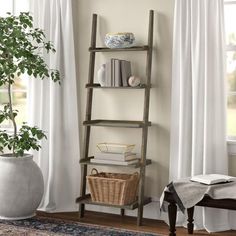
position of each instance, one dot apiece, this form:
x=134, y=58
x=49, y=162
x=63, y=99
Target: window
x=230, y=27
x=19, y=99
x=19, y=90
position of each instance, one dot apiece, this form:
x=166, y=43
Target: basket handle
x=135, y=175
x=94, y=169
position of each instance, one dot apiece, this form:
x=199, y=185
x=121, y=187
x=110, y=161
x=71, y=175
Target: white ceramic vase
x=101, y=75
x=21, y=187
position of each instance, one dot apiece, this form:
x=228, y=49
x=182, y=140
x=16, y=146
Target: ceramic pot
x=119, y=40
x=21, y=187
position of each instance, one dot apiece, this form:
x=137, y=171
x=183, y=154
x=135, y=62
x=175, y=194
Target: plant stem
x=11, y=113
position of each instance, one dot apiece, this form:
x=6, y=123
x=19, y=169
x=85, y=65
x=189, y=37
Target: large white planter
x=21, y=187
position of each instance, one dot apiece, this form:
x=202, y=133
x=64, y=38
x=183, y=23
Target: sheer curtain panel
x=54, y=108
x=198, y=122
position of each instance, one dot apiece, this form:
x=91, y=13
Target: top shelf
x=104, y=49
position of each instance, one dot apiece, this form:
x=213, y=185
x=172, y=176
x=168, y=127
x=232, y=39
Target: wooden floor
x=127, y=222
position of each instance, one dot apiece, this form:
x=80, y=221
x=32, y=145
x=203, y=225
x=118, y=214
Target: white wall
x=130, y=16
x=232, y=165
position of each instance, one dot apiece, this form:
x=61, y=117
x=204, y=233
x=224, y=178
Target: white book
x=108, y=74
x=128, y=156
x=212, y=178
x=123, y=163
x=117, y=73
x=112, y=72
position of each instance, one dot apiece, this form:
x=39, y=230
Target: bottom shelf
x=87, y=200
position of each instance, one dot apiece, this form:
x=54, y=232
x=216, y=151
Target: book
x=112, y=72
x=123, y=163
x=115, y=156
x=117, y=73
x=108, y=74
x=212, y=179
x=125, y=72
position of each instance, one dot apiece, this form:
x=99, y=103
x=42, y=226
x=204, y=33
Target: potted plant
x=21, y=181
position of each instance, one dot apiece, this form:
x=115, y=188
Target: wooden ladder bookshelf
x=143, y=124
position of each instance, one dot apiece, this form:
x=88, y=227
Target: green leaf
x=22, y=49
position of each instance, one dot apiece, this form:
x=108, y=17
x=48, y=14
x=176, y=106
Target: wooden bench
x=229, y=204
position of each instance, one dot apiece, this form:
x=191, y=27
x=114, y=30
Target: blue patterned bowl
x=119, y=40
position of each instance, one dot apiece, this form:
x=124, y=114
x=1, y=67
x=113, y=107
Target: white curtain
x=54, y=108
x=198, y=122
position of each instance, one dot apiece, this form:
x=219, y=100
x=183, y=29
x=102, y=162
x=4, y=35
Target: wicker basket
x=113, y=188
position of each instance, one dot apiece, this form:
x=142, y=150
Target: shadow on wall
x=162, y=52
x=102, y=26
x=158, y=172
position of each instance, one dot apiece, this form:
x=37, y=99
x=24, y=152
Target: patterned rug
x=42, y=226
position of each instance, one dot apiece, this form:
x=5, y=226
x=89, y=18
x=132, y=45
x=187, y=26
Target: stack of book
x=117, y=73
x=127, y=158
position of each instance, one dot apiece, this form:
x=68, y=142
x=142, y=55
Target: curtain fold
x=198, y=122
x=54, y=108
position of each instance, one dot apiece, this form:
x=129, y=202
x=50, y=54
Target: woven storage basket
x=113, y=188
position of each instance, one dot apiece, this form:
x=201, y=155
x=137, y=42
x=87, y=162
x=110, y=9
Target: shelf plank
x=117, y=123
x=105, y=49
x=95, y=85
x=136, y=165
x=87, y=200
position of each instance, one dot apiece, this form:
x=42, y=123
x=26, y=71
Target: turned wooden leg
x=172, y=211
x=81, y=210
x=122, y=212
x=190, y=212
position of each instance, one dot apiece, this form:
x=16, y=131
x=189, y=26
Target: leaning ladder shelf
x=143, y=124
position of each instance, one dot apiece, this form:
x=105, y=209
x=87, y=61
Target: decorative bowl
x=119, y=40
x=115, y=147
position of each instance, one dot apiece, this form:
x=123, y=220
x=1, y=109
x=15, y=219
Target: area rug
x=43, y=226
